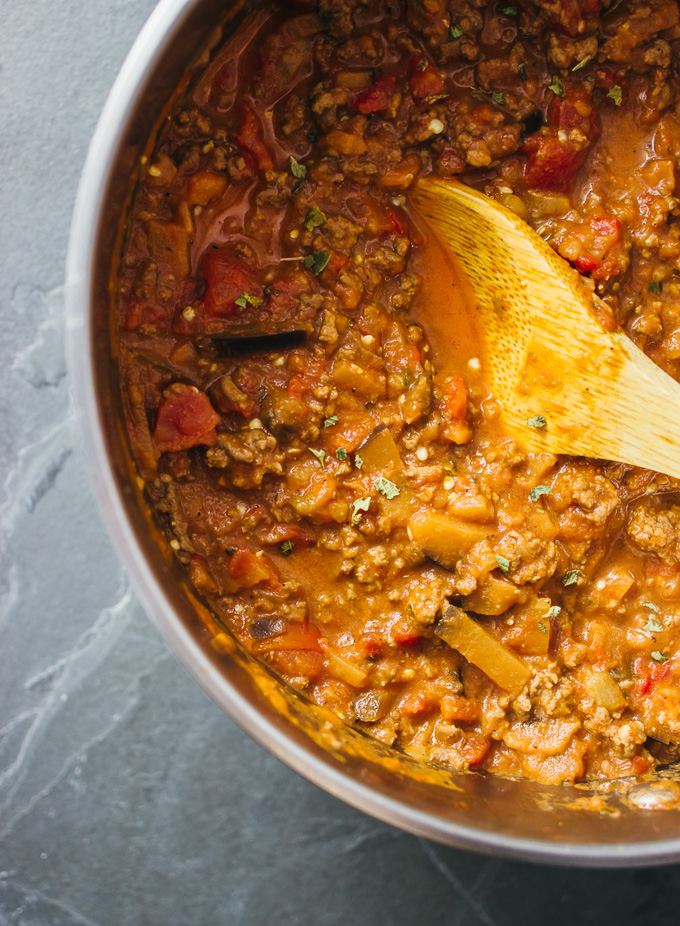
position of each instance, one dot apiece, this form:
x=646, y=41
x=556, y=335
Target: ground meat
x=249, y=456
x=530, y=558
x=656, y=530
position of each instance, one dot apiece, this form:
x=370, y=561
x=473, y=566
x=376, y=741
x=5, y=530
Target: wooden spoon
x=553, y=349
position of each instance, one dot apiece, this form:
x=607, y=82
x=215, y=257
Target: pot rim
x=162, y=26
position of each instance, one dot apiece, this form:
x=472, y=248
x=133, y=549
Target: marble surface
x=126, y=797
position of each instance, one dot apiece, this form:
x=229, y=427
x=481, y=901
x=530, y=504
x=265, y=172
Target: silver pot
x=521, y=819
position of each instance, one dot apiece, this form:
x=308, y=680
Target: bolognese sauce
x=307, y=404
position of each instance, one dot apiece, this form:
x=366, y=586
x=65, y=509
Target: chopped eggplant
x=444, y=539
x=371, y=706
x=483, y=650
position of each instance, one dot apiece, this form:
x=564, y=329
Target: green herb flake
x=571, y=577
x=455, y=32
x=407, y=377
x=358, y=462
x=510, y=11
x=537, y=491
x=299, y=171
x=650, y=606
x=386, y=488
x=358, y=507
x=498, y=97
x=590, y=79
x=659, y=657
x=503, y=563
x=582, y=63
x=246, y=299
x=329, y=422
x=320, y=455
x=522, y=71
x=554, y=611
x=314, y=218
x=341, y=454
x=556, y=86
x=422, y=64
x=656, y=286
x=654, y=626
x=542, y=627
x=317, y=261
x=616, y=94
x=271, y=291
x=538, y=421
x=286, y=547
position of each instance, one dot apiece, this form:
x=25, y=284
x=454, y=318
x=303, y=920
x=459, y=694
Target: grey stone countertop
x=126, y=797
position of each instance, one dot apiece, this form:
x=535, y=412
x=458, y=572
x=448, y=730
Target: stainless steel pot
x=570, y=826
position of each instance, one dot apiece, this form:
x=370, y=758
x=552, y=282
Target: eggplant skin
x=259, y=343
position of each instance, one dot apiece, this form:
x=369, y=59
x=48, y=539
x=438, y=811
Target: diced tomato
x=297, y=636
x=406, y=633
x=296, y=387
x=350, y=431
x=336, y=264
x=185, y=419
x=415, y=704
x=249, y=137
x=556, y=151
x=640, y=764
x=454, y=404
x=425, y=80
x=605, y=79
x=575, y=110
x=376, y=98
x=454, y=707
x=250, y=569
x=649, y=674
x=551, y=162
x=371, y=644
x=398, y=220
x=586, y=263
x=600, y=235
x=226, y=281
x=282, y=295
x=474, y=747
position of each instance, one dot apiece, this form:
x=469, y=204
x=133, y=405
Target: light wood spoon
x=553, y=350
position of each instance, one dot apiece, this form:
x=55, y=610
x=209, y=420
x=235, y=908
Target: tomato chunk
x=226, y=281
x=455, y=400
x=425, y=80
x=376, y=98
x=185, y=419
x=282, y=295
x=556, y=151
x=249, y=137
x=600, y=236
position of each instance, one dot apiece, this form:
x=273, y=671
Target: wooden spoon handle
x=552, y=346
